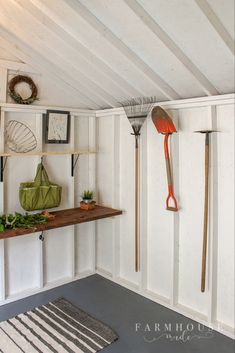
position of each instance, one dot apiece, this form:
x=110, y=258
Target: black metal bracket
x=2, y=167
x=41, y=237
x=73, y=163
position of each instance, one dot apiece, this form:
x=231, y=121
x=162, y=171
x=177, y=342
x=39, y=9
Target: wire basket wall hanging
x=19, y=137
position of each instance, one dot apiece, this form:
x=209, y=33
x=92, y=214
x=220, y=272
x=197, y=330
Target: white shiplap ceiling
x=106, y=51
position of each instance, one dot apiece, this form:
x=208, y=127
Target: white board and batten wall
x=170, y=242
x=29, y=265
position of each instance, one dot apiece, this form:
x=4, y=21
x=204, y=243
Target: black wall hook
x=41, y=237
x=2, y=167
x=73, y=163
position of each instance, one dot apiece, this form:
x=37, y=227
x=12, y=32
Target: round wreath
x=16, y=96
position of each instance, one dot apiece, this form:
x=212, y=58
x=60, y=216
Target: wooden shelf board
x=65, y=218
x=45, y=153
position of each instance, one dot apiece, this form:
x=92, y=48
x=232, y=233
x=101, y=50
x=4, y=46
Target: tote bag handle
x=41, y=176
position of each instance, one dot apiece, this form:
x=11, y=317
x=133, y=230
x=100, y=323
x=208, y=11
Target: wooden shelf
x=41, y=154
x=65, y=218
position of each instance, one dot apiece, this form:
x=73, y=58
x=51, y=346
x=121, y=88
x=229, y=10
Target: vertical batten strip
x=39, y=137
x=72, y=198
x=2, y=250
x=2, y=128
x=143, y=206
x=175, y=215
x=92, y=130
x=213, y=221
x=3, y=84
x=116, y=196
x=2, y=242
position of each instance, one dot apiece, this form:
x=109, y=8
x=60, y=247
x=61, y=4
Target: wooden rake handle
x=136, y=205
x=204, y=247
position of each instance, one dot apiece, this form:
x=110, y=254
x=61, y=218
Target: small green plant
x=87, y=195
x=17, y=220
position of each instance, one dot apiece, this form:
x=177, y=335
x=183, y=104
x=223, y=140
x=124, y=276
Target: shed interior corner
x=88, y=60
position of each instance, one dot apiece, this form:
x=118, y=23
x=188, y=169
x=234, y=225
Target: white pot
x=87, y=200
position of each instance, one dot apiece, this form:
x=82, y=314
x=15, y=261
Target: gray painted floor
x=122, y=309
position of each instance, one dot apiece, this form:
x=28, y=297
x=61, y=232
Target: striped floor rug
x=58, y=327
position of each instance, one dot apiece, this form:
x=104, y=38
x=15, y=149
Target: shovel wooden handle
x=204, y=247
x=169, y=179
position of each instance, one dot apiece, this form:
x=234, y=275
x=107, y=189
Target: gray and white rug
x=58, y=327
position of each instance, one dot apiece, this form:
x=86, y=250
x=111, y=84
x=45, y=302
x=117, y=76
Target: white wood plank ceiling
x=105, y=51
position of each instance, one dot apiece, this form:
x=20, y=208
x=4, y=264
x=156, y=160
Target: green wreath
x=16, y=96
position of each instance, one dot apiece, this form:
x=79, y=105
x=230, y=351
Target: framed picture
x=57, y=126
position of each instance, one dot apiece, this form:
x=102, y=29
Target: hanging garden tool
x=137, y=110
x=206, y=202
x=164, y=125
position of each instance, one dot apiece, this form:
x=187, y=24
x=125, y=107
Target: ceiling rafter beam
x=216, y=24
x=13, y=10
x=148, y=20
x=126, y=51
x=56, y=27
x=32, y=58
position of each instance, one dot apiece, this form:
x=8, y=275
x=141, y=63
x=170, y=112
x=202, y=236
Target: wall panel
x=28, y=264
x=191, y=150
x=22, y=264
x=57, y=254
x=57, y=245
x=104, y=175
x=49, y=92
x=171, y=243
x=159, y=221
x=127, y=202
x=82, y=238
x=225, y=282
x=22, y=259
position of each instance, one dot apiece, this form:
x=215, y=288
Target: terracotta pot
x=87, y=206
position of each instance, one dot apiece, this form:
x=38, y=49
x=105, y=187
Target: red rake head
x=162, y=121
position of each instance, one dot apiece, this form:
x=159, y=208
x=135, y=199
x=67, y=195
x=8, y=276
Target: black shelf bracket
x=3, y=162
x=41, y=237
x=73, y=163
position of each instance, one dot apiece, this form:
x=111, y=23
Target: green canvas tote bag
x=40, y=194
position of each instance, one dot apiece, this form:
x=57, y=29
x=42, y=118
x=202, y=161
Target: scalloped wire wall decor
x=19, y=137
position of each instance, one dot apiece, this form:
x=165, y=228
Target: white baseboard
x=48, y=286
x=183, y=310
x=180, y=309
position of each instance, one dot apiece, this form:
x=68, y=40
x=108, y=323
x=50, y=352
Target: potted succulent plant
x=87, y=196
x=87, y=202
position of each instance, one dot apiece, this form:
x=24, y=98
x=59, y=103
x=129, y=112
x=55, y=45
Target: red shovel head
x=162, y=121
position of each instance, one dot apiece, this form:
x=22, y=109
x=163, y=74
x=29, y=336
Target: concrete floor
x=121, y=309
